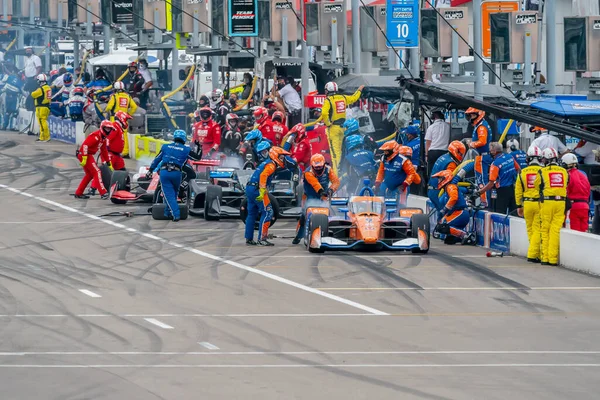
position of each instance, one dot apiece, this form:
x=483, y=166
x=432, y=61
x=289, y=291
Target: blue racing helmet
x=353, y=141
x=412, y=130
x=67, y=79
x=263, y=145
x=254, y=134
x=179, y=136
x=351, y=126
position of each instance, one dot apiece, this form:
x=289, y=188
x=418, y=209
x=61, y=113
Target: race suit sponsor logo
x=531, y=181
x=557, y=180
x=340, y=107
x=123, y=102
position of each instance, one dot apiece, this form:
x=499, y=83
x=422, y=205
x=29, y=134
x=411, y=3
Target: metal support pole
x=284, y=37
x=157, y=32
x=196, y=29
x=48, y=51
x=75, y=52
x=527, y=59
x=174, y=66
x=88, y=14
x=540, y=21
x=551, y=45
x=59, y=18
x=392, y=58
x=356, y=50
x=454, y=69
x=31, y=12
x=5, y=10
x=415, y=62
x=334, y=40
x=21, y=44
x=304, y=71
x=215, y=62
x=107, y=35
x=478, y=64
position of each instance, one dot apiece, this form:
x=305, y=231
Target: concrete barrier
x=578, y=251
x=519, y=243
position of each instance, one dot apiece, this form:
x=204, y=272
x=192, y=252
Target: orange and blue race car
x=365, y=222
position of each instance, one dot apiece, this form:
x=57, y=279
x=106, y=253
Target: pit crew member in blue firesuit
x=414, y=142
x=172, y=158
x=519, y=155
x=258, y=197
x=482, y=134
x=357, y=156
x=449, y=161
x=248, y=146
x=455, y=214
x=503, y=175
x=320, y=183
x=395, y=171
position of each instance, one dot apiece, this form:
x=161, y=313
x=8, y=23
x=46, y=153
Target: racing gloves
x=404, y=186
x=83, y=161
x=261, y=194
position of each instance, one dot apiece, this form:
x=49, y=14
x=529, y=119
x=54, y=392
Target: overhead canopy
x=567, y=106
x=383, y=87
x=124, y=57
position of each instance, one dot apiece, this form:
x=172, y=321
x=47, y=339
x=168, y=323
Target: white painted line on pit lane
x=183, y=315
x=89, y=293
x=468, y=288
x=341, y=366
x=291, y=353
x=208, y=346
x=158, y=323
x=211, y=256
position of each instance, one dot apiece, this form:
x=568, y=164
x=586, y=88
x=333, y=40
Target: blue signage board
x=62, y=130
x=402, y=23
x=243, y=18
x=499, y=232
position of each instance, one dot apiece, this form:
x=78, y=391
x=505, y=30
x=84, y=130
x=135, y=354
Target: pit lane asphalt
x=91, y=310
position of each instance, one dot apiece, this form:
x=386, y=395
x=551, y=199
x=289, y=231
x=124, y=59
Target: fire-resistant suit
x=527, y=196
x=121, y=101
x=553, y=181
x=41, y=97
x=334, y=116
x=208, y=135
x=261, y=179
x=395, y=173
x=578, y=192
x=90, y=146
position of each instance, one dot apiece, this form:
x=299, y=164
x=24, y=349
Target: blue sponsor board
x=499, y=232
x=402, y=23
x=62, y=130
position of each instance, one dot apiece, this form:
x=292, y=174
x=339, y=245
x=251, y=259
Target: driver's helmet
x=444, y=177
x=317, y=164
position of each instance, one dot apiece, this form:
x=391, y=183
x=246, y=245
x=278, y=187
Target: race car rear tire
x=106, y=174
x=213, y=192
x=121, y=180
x=420, y=221
x=158, y=212
x=244, y=210
x=317, y=221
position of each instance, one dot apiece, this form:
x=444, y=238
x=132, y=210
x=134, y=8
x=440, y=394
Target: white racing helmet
x=569, y=159
x=534, y=151
x=550, y=154
x=41, y=78
x=119, y=85
x=331, y=87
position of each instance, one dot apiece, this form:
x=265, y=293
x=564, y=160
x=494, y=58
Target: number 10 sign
x=402, y=23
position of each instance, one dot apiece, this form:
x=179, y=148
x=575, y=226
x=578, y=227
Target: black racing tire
x=122, y=182
x=244, y=210
x=317, y=221
x=299, y=194
x=158, y=212
x=213, y=192
x=420, y=221
x=106, y=174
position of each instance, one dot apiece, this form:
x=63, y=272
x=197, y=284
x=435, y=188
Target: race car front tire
x=158, y=212
x=420, y=221
x=213, y=193
x=105, y=172
x=121, y=180
x=317, y=221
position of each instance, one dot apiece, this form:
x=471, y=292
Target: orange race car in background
x=365, y=222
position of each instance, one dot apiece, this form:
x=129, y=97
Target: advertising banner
x=243, y=18
x=499, y=231
x=122, y=11
x=63, y=130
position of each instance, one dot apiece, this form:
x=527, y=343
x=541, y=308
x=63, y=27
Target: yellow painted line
x=469, y=288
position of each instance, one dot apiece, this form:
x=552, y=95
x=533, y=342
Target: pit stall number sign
x=402, y=23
